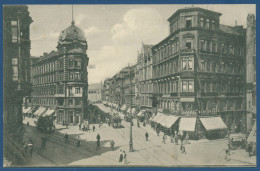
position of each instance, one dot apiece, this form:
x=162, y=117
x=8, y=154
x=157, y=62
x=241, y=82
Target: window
x=14, y=31
x=61, y=64
x=78, y=102
x=202, y=65
x=208, y=46
x=207, y=23
x=208, y=65
x=201, y=22
x=188, y=22
x=77, y=76
x=184, y=64
x=213, y=66
x=15, y=69
x=207, y=85
x=70, y=102
x=202, y=45
x=188, y=45
x=213, y=25
x=190, y=64
x=187, y=86
x=214, y=47
x=231, y=49
x=222, y=48
x=78, y=63
x=71, y=75
x=77, y=90
x=71, y=64
x=60, y=101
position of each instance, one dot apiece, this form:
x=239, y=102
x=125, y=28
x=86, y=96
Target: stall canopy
x=49, y=112
x=187, y=124
x=40, y=111
x=252, y=135
x=213, y=123
x=169, y=121
x=133, y=110
x=123, y=107
x=37, y=111
x=30, y=110
x=141, y=113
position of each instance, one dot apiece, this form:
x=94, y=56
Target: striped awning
x=123, y=107
x=49, y=112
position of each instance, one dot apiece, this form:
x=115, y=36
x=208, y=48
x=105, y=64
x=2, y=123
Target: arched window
x=78, y=63
x=71, y=63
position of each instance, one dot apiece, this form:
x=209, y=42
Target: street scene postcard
x=129, y=85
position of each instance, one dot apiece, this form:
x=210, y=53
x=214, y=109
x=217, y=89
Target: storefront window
x=14, y=31
x=15, y=69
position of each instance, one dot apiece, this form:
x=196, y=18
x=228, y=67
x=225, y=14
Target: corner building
x=60, y=78
x=199, y=73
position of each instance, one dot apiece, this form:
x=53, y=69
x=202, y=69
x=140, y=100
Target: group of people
x=122, y=157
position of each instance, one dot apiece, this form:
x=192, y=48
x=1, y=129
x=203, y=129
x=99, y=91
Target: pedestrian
x=187, y=138
x=112, y=144
x=146, y=136
x=27, y=123
x=158, y=131
x=43, y=141
x=93, y=128
x=164, y=138
x=30, y=149
x=66, y=137
x=144, y=123
x=67, y=125
x=98, y=141
x=138, y=124
x=249, y=149
x=79, y=126
x=176, y=139
x=78, y=142
x=227, y=155
x=121, y=156
x=125, y=159
x=183, y=150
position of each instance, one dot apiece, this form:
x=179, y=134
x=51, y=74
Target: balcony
x=209, y=93
x=187, y=51
x=187, y=93
x=233, y=94
x=174, y=94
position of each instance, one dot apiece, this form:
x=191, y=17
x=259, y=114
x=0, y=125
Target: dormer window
x=188, y=22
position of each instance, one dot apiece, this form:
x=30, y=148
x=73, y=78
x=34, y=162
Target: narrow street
x=150, y=153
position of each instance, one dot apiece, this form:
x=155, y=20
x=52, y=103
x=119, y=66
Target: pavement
x=146, y=153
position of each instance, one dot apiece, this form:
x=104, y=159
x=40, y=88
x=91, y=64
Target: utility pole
x=131, y=145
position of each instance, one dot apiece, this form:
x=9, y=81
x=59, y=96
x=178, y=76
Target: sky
x=115, y=32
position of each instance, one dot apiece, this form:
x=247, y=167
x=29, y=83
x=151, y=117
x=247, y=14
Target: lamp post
x=131, y=145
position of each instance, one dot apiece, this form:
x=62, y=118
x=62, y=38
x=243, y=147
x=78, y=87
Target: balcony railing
x=187, y=93
x=187, y=51
x=209, y=93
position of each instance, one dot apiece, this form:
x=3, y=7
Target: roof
x=231, y=30
x=95, y=86
x=191, y=9
x=72, y=33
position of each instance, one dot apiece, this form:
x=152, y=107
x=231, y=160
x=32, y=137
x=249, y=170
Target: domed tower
x=73, y=62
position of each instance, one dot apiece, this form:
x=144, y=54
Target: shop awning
x=252, y=135
x=161, y=119
x=141, y=113
x=170, y=120
x=49, y=112
x=123, y=107
x=133, y=110
x=30, y=110
x=37, y=111
x=157, y=117
x=187, y=124
x=128, y=110
x=41, y=113
x=26, y=110
x=213, y=123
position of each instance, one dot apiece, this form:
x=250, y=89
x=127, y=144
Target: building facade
x=94, y=92
x=199, y=71
x=251, y=70
x=60, y=78
x=16, y=78
x=145, y=75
